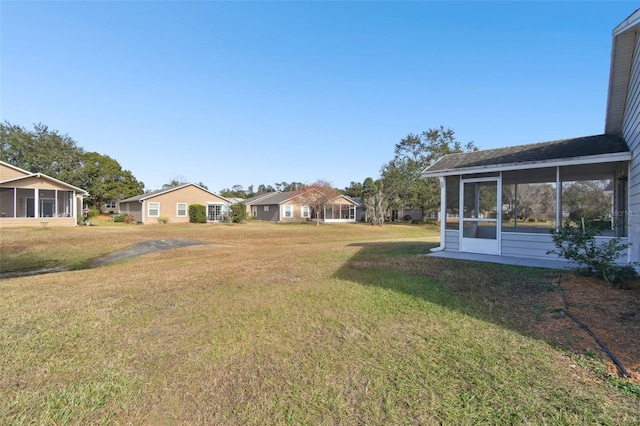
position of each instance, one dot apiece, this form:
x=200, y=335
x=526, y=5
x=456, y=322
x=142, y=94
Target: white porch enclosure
x=36, y=203
x=593, y=179
x=513, y=212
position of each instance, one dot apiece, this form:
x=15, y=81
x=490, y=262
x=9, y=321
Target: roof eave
x=622, y=48
x=46, y=177
x=574, y=161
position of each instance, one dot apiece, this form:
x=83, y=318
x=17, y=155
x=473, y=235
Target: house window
x=306, y=212
x=254, y=211
x=288, y=212
x=154, y=210
x=181, y=209
x=265, y=208
x=110, y=204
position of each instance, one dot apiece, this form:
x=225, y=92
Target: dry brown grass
x=276, y=324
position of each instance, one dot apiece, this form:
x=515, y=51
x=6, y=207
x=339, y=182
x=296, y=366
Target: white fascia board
x=576, y=161
x=630, y=22
x=46, y=177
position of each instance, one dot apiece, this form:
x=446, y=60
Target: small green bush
x=579, y=245
x=119, y=217
x=239, y=212
x=197, y=213
x=163, y=219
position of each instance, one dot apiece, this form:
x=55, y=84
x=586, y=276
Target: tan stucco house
x=173, y=204
x=35, y=199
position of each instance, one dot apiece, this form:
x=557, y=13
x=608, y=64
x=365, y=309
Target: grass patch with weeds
x=291, y=324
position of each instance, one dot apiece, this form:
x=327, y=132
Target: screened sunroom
x=506, y=201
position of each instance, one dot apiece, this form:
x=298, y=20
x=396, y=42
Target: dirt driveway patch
x=144, y=247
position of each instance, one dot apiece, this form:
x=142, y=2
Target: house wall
x=105, y=210
x=526, y=245
x=7, y=172
x=169, y=201
x=133, y=208
x=451, y=240
x=271, y=215
x=297, y=213
x=36, y=182
x=631, y=134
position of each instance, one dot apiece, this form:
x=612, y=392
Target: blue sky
x=242, y=93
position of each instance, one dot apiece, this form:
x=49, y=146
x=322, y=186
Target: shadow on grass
x=510, y=296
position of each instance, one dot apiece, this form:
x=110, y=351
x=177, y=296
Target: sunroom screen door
x=480, y=201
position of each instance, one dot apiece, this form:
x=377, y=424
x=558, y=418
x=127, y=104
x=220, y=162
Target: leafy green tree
x=403, y=183
x=587, y=199
x=374, y=200
x=175, y=182
x=41, y=151
x=316, y=196
x=239, y=212
x=236, y=191
x=263, y=189
x=104, y=179
x=353, y=190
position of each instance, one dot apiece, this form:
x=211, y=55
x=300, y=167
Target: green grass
x=344, y=324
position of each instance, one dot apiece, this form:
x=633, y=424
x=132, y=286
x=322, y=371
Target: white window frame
x=186, y=213
x=157, y=209
x=265, y=208
x=305, y=212
x=254, y=211
x=287, y=212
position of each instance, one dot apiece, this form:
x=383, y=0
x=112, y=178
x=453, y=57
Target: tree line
x=49, y=152
x=399, y=185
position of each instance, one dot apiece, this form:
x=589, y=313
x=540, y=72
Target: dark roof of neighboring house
x=278, y=197
x=256, y=198
x=271, y=198
x=532, y=153
x=164, y=190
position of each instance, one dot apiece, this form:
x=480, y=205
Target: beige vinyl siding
x=7, y=173
x=36, y=182
x=631, y=133
x=169, y=201
x=296, y=213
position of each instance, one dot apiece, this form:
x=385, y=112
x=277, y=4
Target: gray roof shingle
x=531, y=153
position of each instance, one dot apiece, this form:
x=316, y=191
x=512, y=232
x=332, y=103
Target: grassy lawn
x=280, y=324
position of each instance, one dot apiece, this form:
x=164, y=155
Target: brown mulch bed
x=612, y=314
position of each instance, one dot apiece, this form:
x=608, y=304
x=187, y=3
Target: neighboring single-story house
x=173, y=203
x=110, y=207
x=35, y=199
x=290, y=207
x=506, y=201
